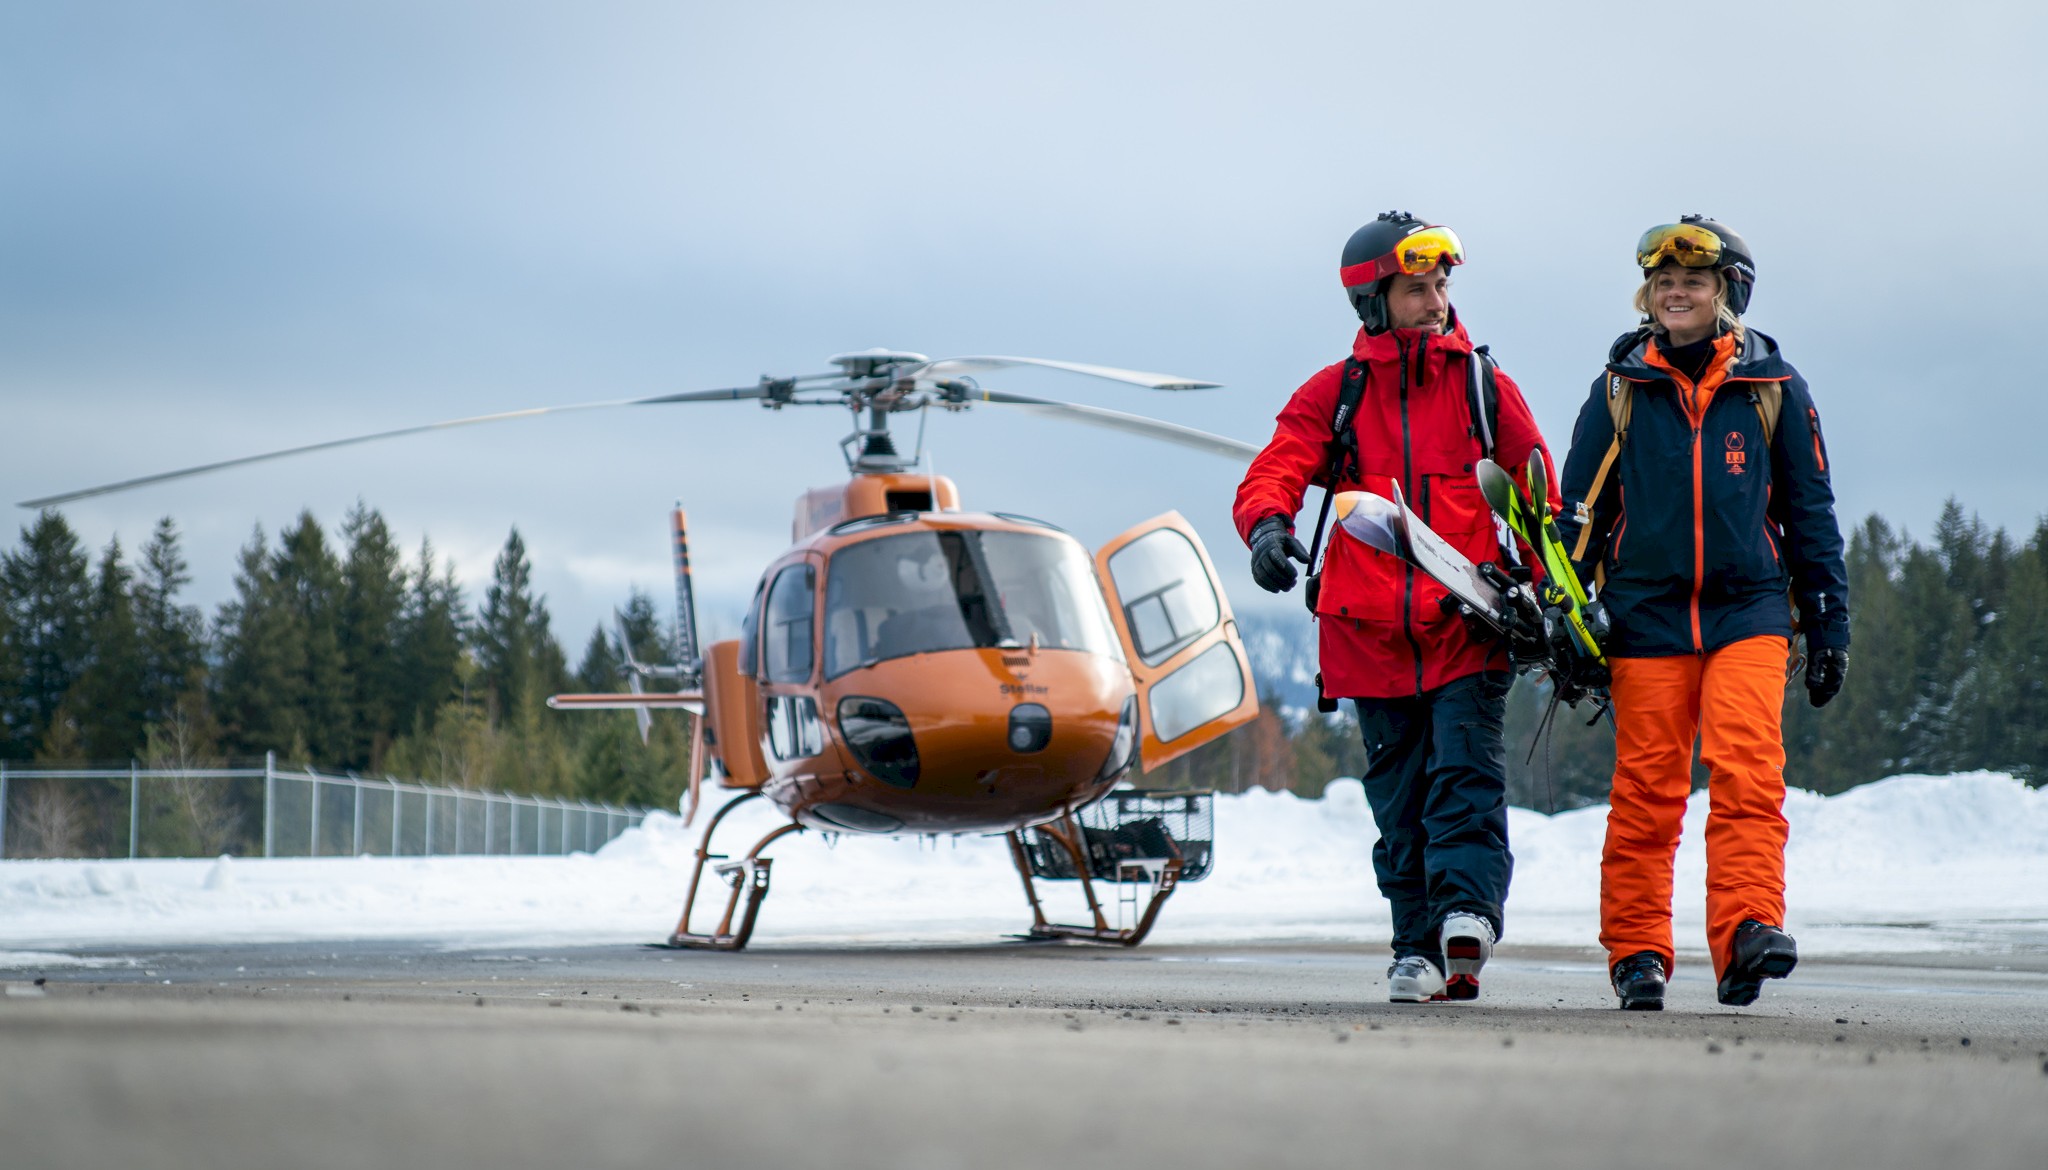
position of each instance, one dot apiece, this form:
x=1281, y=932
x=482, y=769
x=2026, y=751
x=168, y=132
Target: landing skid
x=1161, y=876
x=747, y=878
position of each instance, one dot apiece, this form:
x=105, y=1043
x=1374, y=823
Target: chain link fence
x=269, y=811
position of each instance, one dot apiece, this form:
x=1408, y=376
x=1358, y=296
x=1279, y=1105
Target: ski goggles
x=1416, y=254
x=1691, y=245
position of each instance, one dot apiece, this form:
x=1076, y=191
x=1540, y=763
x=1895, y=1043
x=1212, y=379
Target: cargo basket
x=1129, y=826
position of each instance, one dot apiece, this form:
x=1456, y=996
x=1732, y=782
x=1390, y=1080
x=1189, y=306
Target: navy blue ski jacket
x=1703, y=534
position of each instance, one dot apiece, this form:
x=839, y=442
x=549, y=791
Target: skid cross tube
x=747, y=877
x=1068, y=835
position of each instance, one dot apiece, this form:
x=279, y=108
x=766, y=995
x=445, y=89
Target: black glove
x=1825, y=670
x=1526, y=648
x=1272, y=547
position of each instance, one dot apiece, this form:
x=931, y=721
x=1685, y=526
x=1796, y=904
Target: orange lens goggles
x=1423, y=251
x=1691, y=245
x=1414, y=255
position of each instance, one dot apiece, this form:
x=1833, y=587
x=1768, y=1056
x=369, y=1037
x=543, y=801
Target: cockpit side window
x=786, y=625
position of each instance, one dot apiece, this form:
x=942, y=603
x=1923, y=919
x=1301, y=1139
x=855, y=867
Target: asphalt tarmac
x=1274, y=1055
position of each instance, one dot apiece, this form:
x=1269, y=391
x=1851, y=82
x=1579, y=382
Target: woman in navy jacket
x=1696, y=494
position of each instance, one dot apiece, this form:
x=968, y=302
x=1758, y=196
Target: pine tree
x=601, y=665
x=520, y=659
x=431, y=629
x=309, y=592
x=373, y=596
x=2011, y=695
x=49, y=590
x=255, y=687
x=173, y=635
x=110, y=703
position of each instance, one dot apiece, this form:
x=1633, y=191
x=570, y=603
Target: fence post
x=487, y=824
x=134, y=807
x=313, y=830
x=356, y=789
x=269, y=804
x=459, y=802
x=395, y=806
x=512, y=829
x=3, y=808
x=427, y=838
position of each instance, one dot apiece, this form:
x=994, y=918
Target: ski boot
x=1468, y=943
x=1759, y=952
x=1414, y=979
x=1639, y=981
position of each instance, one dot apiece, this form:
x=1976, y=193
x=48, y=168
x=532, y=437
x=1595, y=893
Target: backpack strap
x=1769, y=400
x=1340, y=459
x=1621, y=402
x=1482, y=385
x=1484, y=388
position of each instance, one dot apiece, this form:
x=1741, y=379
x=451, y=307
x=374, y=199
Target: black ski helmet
x=1370, y=263
x=1733, y=260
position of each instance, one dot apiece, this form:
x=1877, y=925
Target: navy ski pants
x=1436, y=778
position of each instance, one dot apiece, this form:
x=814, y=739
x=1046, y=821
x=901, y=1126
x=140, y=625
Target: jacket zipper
x=1699, y=542
x=1687, y=398
x=1408, y=486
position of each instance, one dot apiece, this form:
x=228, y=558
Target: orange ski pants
x=1730, y=700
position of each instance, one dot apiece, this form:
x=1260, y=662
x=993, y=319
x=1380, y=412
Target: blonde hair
x=1723, y=315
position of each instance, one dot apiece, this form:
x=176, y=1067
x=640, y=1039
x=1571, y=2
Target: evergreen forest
x=342, y=652
x=345, y=651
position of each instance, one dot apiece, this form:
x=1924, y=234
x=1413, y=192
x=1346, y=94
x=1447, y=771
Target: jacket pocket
x=1359, y=581
x=1614, y=545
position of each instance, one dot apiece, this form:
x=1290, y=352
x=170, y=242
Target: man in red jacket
x=1430, y=693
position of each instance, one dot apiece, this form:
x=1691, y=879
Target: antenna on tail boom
x=687, y=656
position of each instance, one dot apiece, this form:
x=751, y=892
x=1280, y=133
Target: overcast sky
x=227, y=228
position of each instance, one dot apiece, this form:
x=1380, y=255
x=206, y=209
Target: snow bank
x=1911, y=863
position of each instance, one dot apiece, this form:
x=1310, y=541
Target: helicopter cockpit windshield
x=918, y=592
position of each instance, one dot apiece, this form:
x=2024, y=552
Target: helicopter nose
x=1030, y=728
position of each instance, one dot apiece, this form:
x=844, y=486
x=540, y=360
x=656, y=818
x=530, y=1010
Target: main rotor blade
x=970, y=365
x=1130, y=424
x=740, y=392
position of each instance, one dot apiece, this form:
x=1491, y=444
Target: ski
x=1482, y=591
x=1529, y=517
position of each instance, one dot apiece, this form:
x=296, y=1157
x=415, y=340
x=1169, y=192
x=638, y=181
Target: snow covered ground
x=1913, y=863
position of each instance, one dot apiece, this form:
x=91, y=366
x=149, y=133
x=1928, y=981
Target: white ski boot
x=1414, y=979
x=1468, y=943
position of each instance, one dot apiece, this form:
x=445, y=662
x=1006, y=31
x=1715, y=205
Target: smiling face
x=1420, y=302
x=1685, y=301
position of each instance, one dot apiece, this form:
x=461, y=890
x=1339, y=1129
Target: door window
x=786, y=626
x=1208, y=687
x=1165, y=591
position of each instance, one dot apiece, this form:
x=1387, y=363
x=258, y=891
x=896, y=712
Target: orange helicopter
x=910, y=668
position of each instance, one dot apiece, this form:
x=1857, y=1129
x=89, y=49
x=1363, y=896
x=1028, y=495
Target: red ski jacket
x=1384, y=633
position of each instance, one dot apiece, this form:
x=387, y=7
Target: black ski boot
x=1639, y=981
x=1760, y=952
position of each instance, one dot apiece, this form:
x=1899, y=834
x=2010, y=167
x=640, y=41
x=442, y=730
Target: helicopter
x=909, y=668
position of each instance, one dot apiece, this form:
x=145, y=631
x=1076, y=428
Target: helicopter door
x=788, y=663
x=1194, y=679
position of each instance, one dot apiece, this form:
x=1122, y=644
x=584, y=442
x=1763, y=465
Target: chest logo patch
x=1736, y=456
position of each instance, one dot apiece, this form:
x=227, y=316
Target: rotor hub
x=869, y=363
